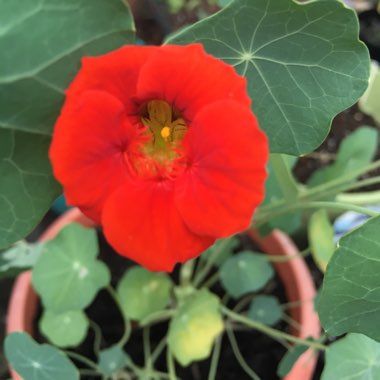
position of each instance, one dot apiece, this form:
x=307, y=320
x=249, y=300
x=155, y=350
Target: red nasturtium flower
x=159, y=146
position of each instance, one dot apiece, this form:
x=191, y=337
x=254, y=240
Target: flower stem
x=271, y=331
x=186, y=273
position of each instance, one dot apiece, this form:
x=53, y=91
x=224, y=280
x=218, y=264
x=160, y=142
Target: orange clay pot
x=294, y=274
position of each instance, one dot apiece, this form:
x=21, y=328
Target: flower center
x=165, y=124
x=160, y=154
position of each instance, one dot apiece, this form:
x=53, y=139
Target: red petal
x=189, y=78
x=87, y=150
x=116, y=73
x=141, y=222
x=225, y=180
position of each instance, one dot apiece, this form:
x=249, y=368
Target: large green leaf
x=42, y=42
x=304, y=63
x=194, y=328
x=350, y=297
x=67, y=275
x=33, y=361
x=26, y=185
x=142, y=293
x=355, y=357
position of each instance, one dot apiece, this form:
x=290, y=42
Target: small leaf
x=350, y=297
x=369, y=102
x=303, y=61
x=67, y=276
x=33, y=361
x=244, y=273
x=289, y=359
x=142, y=293
x=321, y=238
x=354, y=357
x=221, y=250
x=265, y=309
x=356, y=151
x=112, y=359
x=20, y=257
x=65, y=329
x=194, y=328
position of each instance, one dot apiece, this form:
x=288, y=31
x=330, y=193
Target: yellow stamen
x=165, y=133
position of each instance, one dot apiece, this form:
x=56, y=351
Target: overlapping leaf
x=42, y=42
x=303, y=61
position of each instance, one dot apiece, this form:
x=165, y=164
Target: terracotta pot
x=294, y=274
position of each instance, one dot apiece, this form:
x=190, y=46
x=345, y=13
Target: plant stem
x=239, y=357
x=186, y=273
x=158, y=350
x=211, y=281
x=127, y=323
x=89, y=372
x=89, y=363
x=146, y=345
x=171, y=365
x=158, y=316
x=284, y=177
x=271, y=331
x=365, y=198
x=282, y=258
x=215, y=359
x=97, y=336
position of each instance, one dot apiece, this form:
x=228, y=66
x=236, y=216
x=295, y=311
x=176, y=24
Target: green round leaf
x=33, y=361
x=355, y=357
x=44, y=41
x=304, y=63
x=65, y=329
x=321, y=238
x=67, y=276
x=350, y=297
x=194, y=328
x=112, y=359
x=355, y=152
x=142, y=293
x=265, y=309
x=244, y=273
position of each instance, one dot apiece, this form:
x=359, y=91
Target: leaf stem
x=215, y=359
x=171, y=365
x=89, y=363
x=97, y=336
x=271, y=331
x=127, y=323
x=239, y=357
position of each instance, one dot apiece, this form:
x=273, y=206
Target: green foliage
x=221, y=250
x=34, y=361
x=20, y=257
x=245, y=272
x=194, y=328
x=265, y=309
x=142, y=293
x=355, y=152
x=65, y=329
x=68, y=276
x=350, y=297
x=289, y=359
x=321, y=238
x=304, y=63
x=369, y=102
x=42, y=43
x=353, y=357
x=112, y=359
